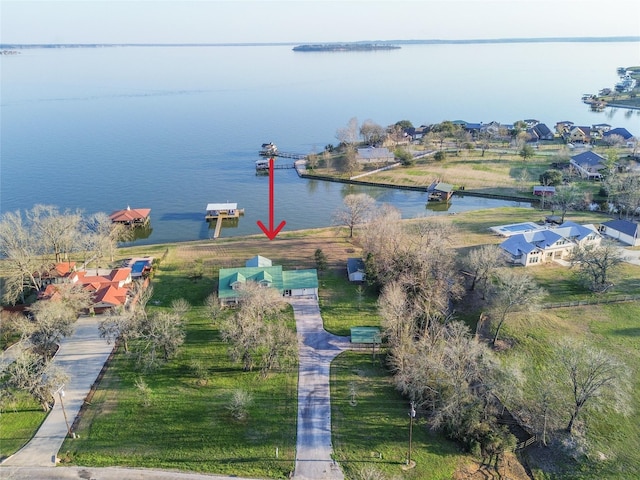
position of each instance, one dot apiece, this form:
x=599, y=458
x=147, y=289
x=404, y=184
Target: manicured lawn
x=186, y=424
x=18, y=422
x=345, y=304
x=371, y=428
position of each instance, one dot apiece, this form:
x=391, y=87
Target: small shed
x=356, y=270
x=544, y=190
x=365, y=335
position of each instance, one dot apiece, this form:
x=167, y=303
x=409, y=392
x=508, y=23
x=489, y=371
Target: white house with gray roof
x=548, y=244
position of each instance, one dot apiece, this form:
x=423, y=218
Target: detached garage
x=623, y=230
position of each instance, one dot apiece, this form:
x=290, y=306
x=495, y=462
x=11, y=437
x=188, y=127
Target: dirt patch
x=509, y=468
x=295, y=250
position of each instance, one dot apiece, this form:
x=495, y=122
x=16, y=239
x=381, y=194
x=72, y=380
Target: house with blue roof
x=623, y=230
x=550, y=244
x=290, y=283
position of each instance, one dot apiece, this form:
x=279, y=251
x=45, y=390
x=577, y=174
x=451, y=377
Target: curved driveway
x=317, y=349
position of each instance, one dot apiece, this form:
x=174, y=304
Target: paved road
x=316, y=348
x=82, y=356
x=104, y=473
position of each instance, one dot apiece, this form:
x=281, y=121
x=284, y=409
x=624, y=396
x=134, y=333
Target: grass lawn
x=372, y=427
x=613, y=437
x=18, y=422
x=186, y=424
x=345, y=304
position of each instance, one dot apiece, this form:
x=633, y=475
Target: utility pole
x=60, y=393
x=412, y=415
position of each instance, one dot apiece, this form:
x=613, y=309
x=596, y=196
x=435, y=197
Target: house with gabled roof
x=624, y=231
x=543, y=132
x=624, y=133
x=563, y=127
x=588, y=164
x=290, y=283
x=374, y=155
x=578, y=135
x=356, y=269
x=548, y=244
x=109, y=288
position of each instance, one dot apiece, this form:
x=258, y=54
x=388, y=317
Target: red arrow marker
x=270, y=232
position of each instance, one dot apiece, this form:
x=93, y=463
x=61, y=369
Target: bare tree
x=591, y=377
x=356, y=210
x=32, y=374
x=372, y=133
x=482, y=262
x=57, y=231
x=349, y=135
x=161, y=335
x=449, y=373
x=257, y=332
x=564, y=198
x=126, y=323
x=24, y=263
x=53, y=320
x=595, y=263
x=101, y=236
x=514, y=291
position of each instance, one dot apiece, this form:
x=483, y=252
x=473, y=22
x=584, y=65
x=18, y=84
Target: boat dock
x=263, y=165
x=220, y=212
x=271, y=150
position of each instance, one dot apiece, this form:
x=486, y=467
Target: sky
x=309, y=21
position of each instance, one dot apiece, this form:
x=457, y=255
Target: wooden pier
x=270, y=150
x=220, y=212
x=263, y=165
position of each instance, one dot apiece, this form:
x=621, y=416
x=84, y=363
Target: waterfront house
x=290, y=283
x=131, y=217
x=578, y=135
x=588, y=165
x=622, y=132
x=624, y=231
x=563, y=127
x=548, y=244
x=356, y=269
x=109, y=287
x=374, y=155
x=542, y=132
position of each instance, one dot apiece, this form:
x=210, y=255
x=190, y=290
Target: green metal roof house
x=291, y=283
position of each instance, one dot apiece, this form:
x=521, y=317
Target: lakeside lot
x=185, y=424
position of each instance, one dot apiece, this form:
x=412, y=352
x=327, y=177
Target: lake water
x=175, y=128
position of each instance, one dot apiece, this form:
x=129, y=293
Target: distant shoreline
x=634, y=38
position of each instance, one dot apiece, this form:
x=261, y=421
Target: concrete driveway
x=317, y=349
x=82, y=356
x=630, y=256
